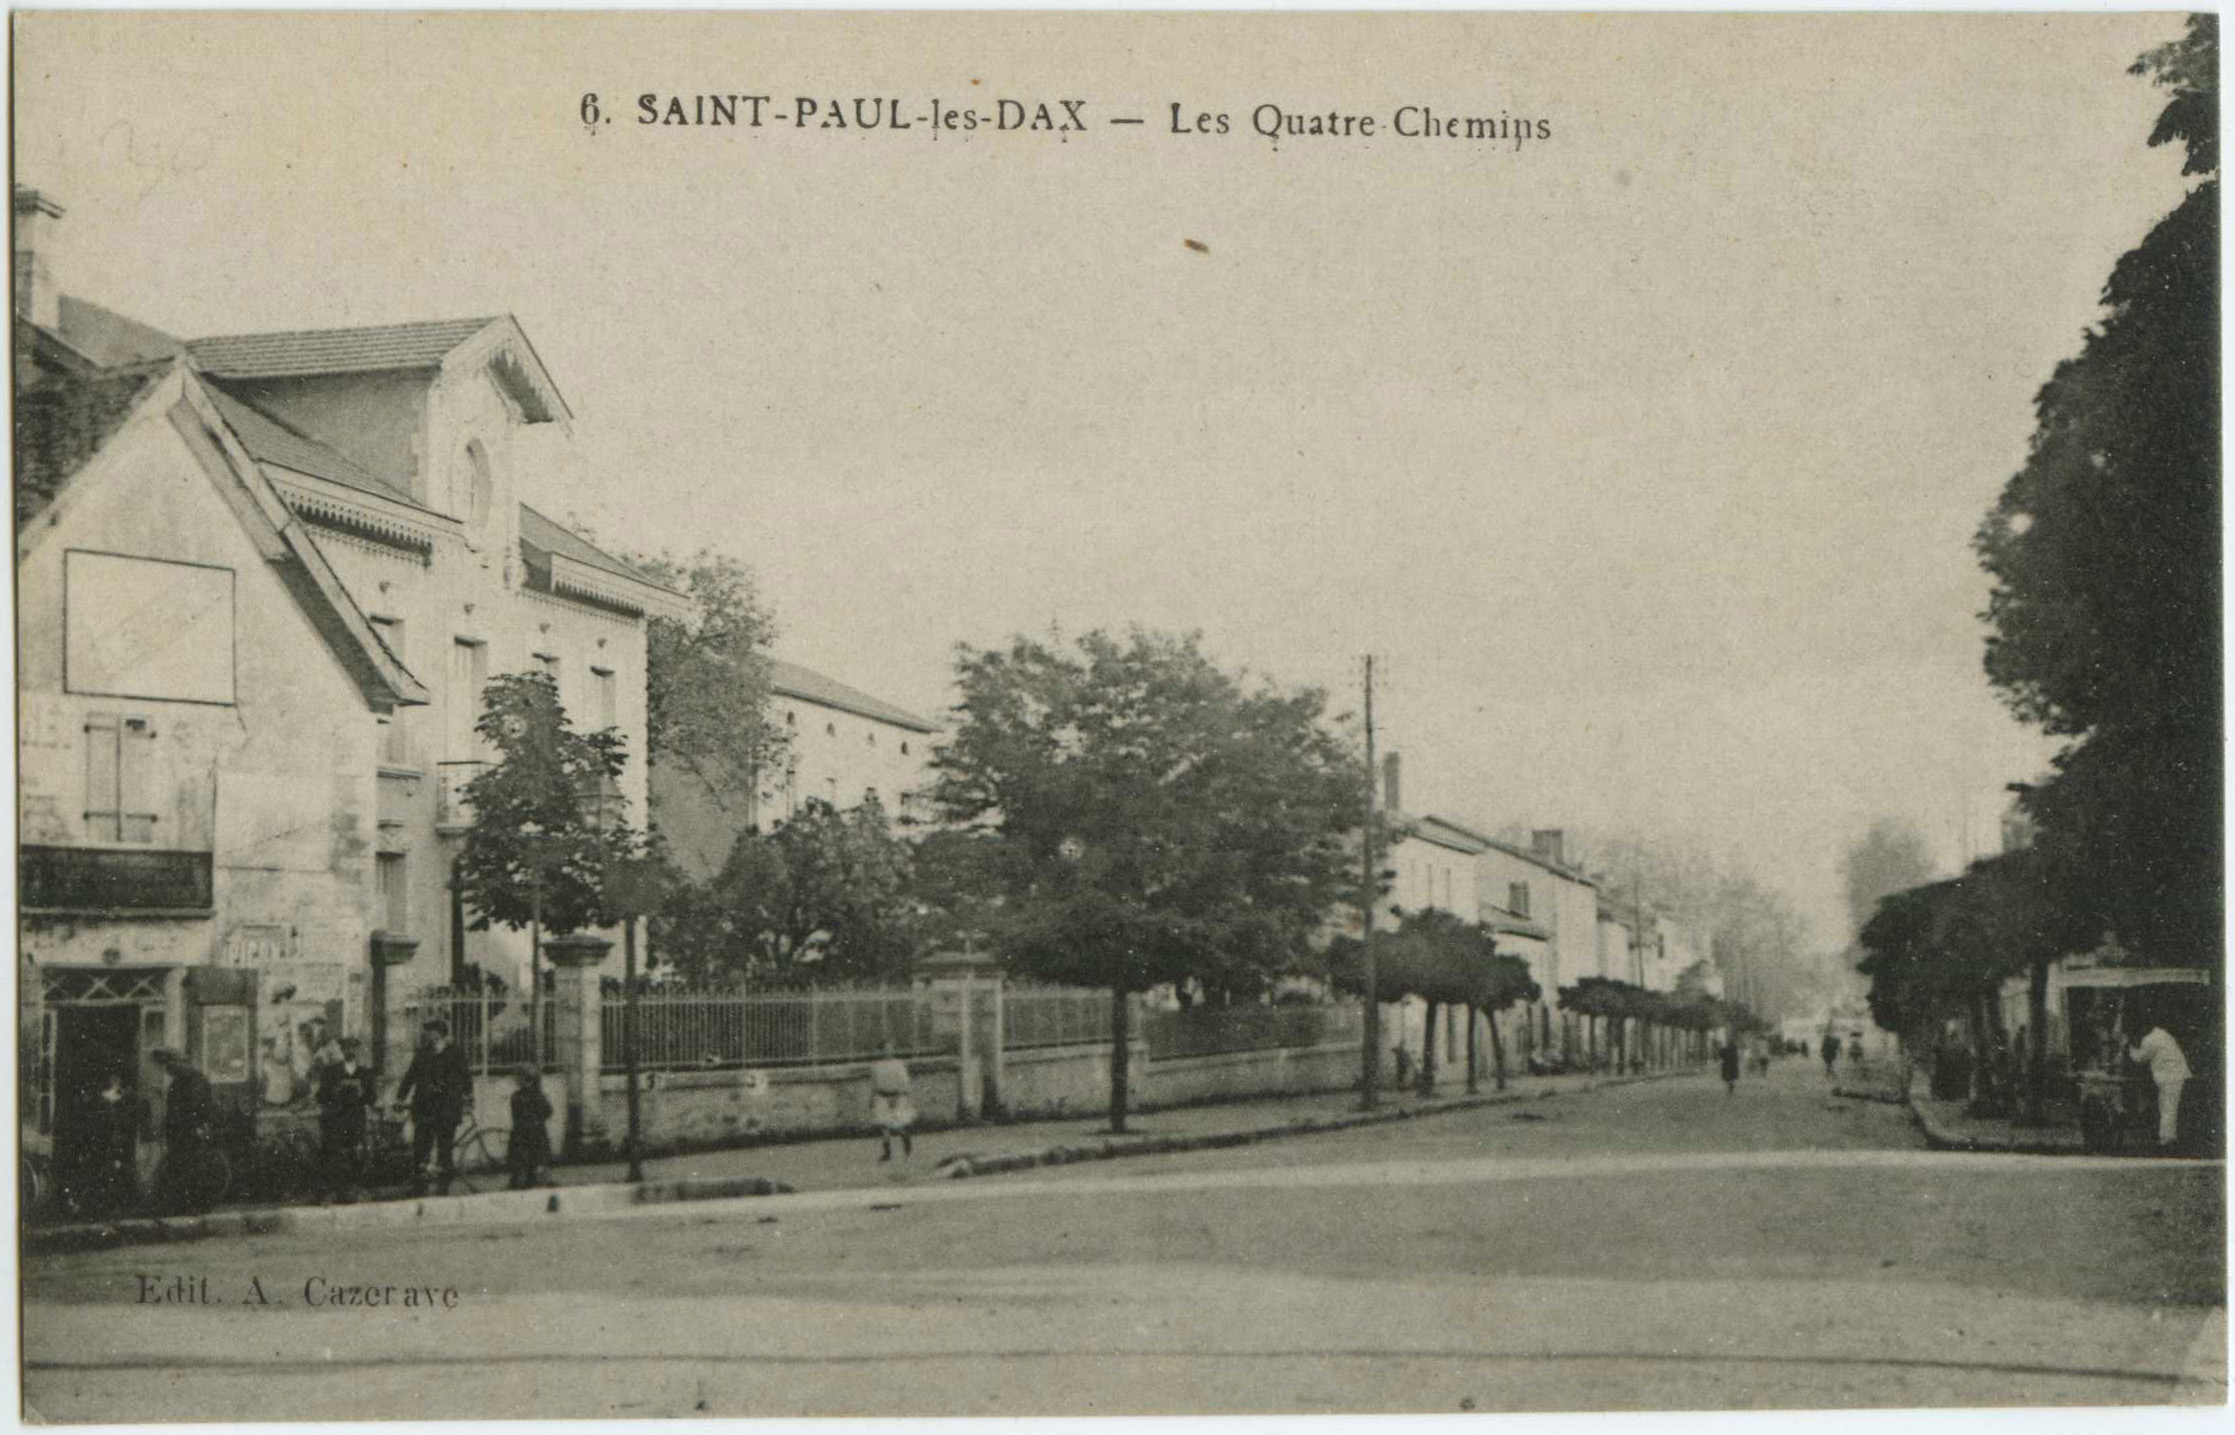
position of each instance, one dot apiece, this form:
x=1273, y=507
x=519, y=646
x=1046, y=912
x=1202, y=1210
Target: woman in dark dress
x=1730, y=1066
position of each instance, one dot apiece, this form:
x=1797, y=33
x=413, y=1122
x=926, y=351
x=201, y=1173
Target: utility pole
x=1370, y=1083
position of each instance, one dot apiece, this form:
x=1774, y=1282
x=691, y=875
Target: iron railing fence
x=1053, y=1016
x=490, y=1027
x=1210, y=1031
x=683, y=1029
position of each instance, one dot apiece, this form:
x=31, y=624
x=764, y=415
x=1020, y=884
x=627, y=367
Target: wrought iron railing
x=714, y=1030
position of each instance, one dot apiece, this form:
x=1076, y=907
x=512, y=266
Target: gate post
x=575, y=959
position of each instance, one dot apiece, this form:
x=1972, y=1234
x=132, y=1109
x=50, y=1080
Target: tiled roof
x=793, y=681
x=333, y=351
x=555, y=538
x=271, y=441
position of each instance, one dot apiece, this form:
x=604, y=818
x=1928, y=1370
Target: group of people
x=436, y=1091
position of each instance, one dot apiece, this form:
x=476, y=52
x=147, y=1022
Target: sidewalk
x=1950, y=1128
x=834, y=1163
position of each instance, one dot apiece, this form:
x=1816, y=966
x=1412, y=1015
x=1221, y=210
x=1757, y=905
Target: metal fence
x=1053, y=1016
x=490, y=1027
x=688, y=1030
x=1208, y=1031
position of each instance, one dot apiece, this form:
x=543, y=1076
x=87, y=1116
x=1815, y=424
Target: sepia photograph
x=1062, y=714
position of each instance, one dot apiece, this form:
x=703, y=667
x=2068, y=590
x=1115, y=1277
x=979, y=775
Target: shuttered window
x=119, y=795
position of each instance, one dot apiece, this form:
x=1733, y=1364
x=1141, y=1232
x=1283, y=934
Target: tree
x=537, y=851
x=2104, y=550
x=547, y=826
x=1892, y=857
x=1158, y=819
x=1444, y=960
x=821, y=898
x=706, y=680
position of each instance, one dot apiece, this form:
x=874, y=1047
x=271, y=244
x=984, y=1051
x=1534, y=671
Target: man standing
x=345, y=1093
x=2169, y=1069
x=1829, y=1050
x=436, y=1086
x=189, y=1120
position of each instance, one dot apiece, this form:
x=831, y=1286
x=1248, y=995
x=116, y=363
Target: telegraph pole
x=1370, y=1084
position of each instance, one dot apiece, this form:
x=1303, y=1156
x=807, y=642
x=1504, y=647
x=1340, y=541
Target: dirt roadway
x=1660, y=1246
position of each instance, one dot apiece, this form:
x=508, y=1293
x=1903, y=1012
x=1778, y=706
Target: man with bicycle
x=436, y=1087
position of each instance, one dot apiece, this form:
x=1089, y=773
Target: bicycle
x=478, y=1148
x=477, y=1152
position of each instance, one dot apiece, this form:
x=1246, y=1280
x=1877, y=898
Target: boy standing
x=890, y=1104
x=528, y=1151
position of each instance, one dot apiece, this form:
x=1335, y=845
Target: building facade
x=842, y=746
x=264, y=579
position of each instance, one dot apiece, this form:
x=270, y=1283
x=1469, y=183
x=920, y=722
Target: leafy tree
x=538, y=851
x=2104, y=619
x=1157, y=819
x=1892, y=857
x=821, y=898
x=706, y=681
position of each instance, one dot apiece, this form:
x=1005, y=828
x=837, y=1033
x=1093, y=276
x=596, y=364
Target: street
x=1657, y=1246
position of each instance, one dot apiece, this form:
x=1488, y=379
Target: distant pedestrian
x=1854, y=1048
x=345, y=1095
x=528, y=1154
x=2168, y=1066
x=891, y=1106
x=436, y=1087
x=1730, y=1066
x=1830, y=1051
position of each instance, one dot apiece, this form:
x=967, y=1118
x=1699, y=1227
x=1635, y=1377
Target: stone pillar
x=389, y=950
x=953, y=982
x=575, y=959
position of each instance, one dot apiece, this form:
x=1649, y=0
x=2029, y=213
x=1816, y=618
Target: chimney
x=1550, y=843
x=1391, y=793
x=36, y=298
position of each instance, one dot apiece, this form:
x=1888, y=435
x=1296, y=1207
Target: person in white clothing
x=2169, y=1069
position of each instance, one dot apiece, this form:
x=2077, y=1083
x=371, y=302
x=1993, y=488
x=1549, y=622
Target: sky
x=1645, y=457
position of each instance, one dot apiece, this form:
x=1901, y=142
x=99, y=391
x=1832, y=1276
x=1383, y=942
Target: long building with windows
x=262, y=581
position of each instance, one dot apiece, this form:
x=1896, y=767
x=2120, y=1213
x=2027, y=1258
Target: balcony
x=452, y=812
x=86, y=881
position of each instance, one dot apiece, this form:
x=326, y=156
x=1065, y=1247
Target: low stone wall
x=687, y=1110
x=1240, y=1075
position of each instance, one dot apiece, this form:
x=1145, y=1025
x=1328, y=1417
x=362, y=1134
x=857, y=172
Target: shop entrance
x=93, y=1043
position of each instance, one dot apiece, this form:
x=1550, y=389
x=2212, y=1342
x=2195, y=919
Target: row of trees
x=2103, y=629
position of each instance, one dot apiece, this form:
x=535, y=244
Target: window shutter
x=135, y=750
x=102, y=819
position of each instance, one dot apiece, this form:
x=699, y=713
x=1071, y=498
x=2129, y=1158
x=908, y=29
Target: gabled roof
x=297, y=353
x=274, y=442
x=194, y=412
x=793, y=681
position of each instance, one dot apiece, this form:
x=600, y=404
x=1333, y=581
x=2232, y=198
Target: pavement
x=1950, y=1125
x=836, y=1163
x=1661, y=1245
